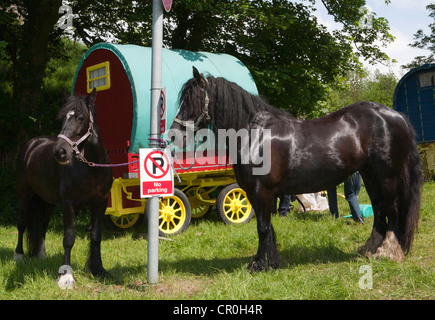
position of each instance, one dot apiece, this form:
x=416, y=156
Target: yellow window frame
x=89, y=80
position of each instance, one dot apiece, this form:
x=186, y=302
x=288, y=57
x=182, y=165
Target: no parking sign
x=156, y=176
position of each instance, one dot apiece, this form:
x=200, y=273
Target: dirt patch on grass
x=167, y=288
x=180, y=288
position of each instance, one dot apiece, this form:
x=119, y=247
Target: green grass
x=318, y=256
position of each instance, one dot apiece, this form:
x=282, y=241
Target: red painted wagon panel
x=114, y=107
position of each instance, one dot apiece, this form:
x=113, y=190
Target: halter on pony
x=188, y=124
x=75, y=145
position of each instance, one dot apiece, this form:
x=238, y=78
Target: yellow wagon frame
x=193, y=184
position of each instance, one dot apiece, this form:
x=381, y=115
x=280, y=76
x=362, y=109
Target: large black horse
x=313, y=155
x=54, y=171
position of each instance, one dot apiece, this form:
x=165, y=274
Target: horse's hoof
x=253, y=267
x=66, y=281
x=19, y=257
x=103, y=274
x=257, y=266
x=100, y=273
x=42, y=256
x=260, y=265
x=390, y=248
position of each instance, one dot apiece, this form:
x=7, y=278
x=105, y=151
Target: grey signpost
x=156, y=85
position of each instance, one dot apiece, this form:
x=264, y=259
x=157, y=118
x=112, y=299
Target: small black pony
x=314, y=155
x=53, y=171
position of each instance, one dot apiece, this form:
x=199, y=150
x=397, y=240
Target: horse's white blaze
x=70, y=114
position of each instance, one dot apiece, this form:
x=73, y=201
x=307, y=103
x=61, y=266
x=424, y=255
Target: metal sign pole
x=156, y=85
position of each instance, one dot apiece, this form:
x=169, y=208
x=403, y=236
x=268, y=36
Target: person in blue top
x=352, y=186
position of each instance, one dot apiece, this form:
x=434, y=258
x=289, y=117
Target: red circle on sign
x=158, y=166
x=167, y=4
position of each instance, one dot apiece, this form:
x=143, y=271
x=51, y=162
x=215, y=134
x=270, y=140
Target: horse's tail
x=299, y=200
x=410, y=186
x=37, y=223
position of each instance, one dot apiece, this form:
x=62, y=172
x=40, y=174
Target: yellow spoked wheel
x=174, y=214
x=199, y=209
x=123, y=222
x=233, y=206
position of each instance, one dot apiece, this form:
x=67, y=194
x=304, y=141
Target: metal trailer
x=415, y=97
x=122, y=76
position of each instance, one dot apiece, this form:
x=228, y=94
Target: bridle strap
x=75, y=145
x=195, y=127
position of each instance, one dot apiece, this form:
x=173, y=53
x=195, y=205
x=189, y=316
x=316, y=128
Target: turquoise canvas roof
x=176, y=70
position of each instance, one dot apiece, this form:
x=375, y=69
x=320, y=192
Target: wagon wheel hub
x=236, y=205
x=167, y=214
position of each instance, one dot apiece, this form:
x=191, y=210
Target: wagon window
x=98, y=76
x=427, y=79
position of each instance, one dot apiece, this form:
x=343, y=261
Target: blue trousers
x=284, y=205
x=352, y=186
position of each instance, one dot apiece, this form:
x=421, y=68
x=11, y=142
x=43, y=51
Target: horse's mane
x=235, y=106
x=230, y=105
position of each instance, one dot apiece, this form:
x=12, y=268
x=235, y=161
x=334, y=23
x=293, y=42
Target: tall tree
x=361, y=86
x=424, y=41
x=28, y=34
x=290, y=54
x=293, y=58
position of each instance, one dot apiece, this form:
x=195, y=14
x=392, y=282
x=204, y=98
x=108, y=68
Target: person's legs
x=284, y=205
x=332, y=201
x=352, y=186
